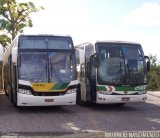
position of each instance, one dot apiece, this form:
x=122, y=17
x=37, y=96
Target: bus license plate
x=125, y=99
x=49, y=100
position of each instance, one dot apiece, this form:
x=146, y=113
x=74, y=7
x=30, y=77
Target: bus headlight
x=142, y=92
x=69, y=91
x=23, y=91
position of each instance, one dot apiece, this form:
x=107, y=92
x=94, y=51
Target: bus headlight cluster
x=105, y=92
x=69, y=91
x=142, y=92
x=23, y=91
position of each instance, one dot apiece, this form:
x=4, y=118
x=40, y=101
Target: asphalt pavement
x=92, y=121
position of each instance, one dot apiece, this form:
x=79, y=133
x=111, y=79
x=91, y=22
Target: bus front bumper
x=30, y=100
x=104, y=99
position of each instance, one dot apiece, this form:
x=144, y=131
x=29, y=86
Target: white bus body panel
x=30, y=100
x=104, y=99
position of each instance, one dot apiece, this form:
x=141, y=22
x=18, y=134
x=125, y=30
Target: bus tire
x=5, y=92
x=15, y=99
x=10, y=94
x=78, y=99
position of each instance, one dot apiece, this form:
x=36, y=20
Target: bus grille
x=48, y=93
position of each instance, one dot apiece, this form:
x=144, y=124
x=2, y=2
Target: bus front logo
x=38, y=85
x=125, y=92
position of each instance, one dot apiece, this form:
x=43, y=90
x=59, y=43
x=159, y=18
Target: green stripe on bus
x=121, y=88
x=60, y=86
x=124, y=88
x=64, y=85
x=101, y=88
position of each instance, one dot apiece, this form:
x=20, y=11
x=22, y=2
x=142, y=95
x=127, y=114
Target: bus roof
x=54, y=35
x=107, y=41
x=118, y=42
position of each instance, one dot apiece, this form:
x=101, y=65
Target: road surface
x=79, y=120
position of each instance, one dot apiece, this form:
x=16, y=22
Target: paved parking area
x=80, y=121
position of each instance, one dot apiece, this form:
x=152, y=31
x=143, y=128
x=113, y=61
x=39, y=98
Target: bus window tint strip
x=41, y=42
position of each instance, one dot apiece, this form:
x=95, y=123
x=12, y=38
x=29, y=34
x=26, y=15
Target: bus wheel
x=15, y=99
x=10, y=94
x=5, y=92
x=78, y=99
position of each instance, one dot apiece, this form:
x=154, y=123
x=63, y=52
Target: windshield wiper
x=51, y=66
x=133, y=75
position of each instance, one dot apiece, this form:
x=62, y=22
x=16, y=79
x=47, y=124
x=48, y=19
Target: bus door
x=91, y=71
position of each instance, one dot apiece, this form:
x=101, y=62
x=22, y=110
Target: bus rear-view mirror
x=147, y=62
x=94, y=61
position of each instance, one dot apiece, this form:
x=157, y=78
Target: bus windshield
x=47, y=66
x=120, y=64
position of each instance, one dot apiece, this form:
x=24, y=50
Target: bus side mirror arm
x=147, y=60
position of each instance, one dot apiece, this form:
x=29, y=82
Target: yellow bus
x=40, y=70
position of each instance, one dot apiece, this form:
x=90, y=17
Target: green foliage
x=4, y=40
x=154, y=74
x=14, y=17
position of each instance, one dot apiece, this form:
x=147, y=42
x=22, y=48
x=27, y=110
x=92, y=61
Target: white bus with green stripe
x=40, y=70
x=112, y=72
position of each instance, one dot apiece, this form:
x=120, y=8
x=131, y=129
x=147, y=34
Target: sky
x=95, y=20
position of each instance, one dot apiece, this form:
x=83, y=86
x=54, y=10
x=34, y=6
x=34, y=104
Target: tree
x=154, y=74
x=14, y=17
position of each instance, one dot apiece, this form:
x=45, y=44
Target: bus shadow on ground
x=43, y=109
x=126, y=107
x=6, y=107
